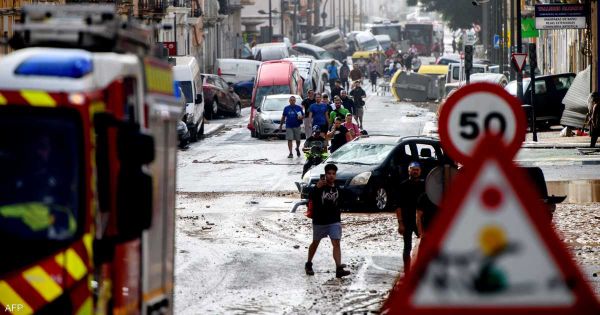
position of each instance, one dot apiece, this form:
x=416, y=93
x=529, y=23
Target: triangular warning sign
x=492, y=250
x=519, y=60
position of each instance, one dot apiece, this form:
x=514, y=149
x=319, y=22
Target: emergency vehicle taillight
x=64, y=64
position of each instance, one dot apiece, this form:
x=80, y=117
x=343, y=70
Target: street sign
x=518, y=60
x=496, y=41
x=492, y=250
x=560, y=16
x=476, y=110
x=528, y=29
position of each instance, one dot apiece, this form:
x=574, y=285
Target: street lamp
x=270, y=20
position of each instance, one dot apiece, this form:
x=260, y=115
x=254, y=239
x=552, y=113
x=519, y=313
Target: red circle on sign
x=492, y=198
x=454, y=99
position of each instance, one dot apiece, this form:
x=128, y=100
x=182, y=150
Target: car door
x=228, y=99
x=560, y=86
x=398, y=167
x=542, y=98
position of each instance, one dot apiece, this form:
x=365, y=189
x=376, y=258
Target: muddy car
x=369, y=167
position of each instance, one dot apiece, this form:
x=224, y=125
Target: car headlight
x=361, y=179
x=306, y=178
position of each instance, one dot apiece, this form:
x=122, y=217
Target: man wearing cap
x=405, y=201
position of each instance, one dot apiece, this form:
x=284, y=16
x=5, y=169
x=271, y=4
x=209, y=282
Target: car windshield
x=324, y=54
x=41, y=165
x=263, y=91
x=361, y=153
x=369, y=45
x=186, y=87
x=274, y=104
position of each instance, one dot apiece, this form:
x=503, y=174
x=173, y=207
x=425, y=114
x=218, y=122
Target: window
x=42, y=174
x=563, y=83
x=540, y=87
x=426, y=151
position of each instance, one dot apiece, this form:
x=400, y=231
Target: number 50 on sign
x=476, y=110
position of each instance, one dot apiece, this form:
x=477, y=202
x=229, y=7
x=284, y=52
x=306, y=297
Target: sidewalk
x=552, y=139
x=212, y=127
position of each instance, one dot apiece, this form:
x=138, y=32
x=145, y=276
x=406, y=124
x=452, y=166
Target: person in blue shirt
x=293, y=116
x=333, y=74
x=318, y=113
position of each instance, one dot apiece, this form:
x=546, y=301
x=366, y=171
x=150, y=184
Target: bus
x=426, y=36
x=391, y=28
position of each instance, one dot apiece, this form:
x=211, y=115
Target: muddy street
x=243, y=253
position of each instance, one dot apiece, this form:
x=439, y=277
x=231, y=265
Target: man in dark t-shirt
x=405, y=200
x=306, y=106
x=426, y=211
x=338, y=134
x=326, y=219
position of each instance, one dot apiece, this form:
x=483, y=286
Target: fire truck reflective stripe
x=87, y=242
x=79, y=294
x=38, y=98
x=8, y=296
x=57, y=273
x=3, y=100
x=27, y=292
x=86, y=308
x=43, y=283
x=73, y=263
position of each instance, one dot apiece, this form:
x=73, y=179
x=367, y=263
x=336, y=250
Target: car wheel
x=238, y=110
x=200, y=133
x=194, y=133
x=381, y=199
x=208, y=112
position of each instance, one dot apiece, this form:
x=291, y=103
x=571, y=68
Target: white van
x=186, y=74
x=237, y=70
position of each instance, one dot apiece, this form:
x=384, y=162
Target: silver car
x=269, y=114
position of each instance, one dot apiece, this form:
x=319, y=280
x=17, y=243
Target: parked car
x=237, y=70
x=309, y=73
x=220, y=97
x=186, y=74
x=270, y=51
x=369, y=167
x=274, y=77
x=448, y=59
x=314, y=51
x=362, y=41
x=268, y=115
x=549, y=93
x=331, y=40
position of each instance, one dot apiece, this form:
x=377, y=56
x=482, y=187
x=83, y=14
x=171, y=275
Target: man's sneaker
x=290, y=156
x=298, y=152
x=308, y=269
x=340, y=272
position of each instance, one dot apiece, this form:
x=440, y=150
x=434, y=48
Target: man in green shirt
x=339, y=111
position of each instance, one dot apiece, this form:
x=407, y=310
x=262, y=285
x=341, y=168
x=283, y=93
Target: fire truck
x=87, y=161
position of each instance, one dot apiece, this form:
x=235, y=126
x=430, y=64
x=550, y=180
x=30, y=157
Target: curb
x=211, y=129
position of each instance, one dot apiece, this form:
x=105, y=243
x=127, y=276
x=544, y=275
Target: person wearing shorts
x=292, y=116
x=326, y=220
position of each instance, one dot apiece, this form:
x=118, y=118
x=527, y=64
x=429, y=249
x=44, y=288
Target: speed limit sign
x=475, y=111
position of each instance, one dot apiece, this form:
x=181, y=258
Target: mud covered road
x=244, y=253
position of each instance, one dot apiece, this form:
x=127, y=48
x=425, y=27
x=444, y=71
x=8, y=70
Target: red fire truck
x=88, y=158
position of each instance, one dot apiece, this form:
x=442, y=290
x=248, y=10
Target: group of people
x=414, y=212
x=334, y=122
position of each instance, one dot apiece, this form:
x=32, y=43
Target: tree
x=457, y=13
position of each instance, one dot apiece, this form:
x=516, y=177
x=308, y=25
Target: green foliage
x=457, y=13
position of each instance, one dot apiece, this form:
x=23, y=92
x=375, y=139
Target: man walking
x=332, y=70
x=405, y=199
x=338, y=110
x=358, y=95
x=594, y=118
x=356, y=74
x=344, y=74
x=337, y=89
x=326, y=220
x=318, y=114
x=338, y=134
x=306, y=107
x=347, y=102
x=292, y=116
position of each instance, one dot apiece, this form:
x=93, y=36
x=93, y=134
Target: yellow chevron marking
x=87, y=242
x=38, y=98
x=86, y=308
x=9, y=297
x=43, y=283
x=3, y=100
x=73, y=263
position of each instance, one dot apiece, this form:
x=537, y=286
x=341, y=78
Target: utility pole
x=309, y=19
x=519, y=50
x=295, y=22
x=360, y=14
x=281, y=18
x=175, y=32
x=333, y=12
x=343, y=16
x=270, y=23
